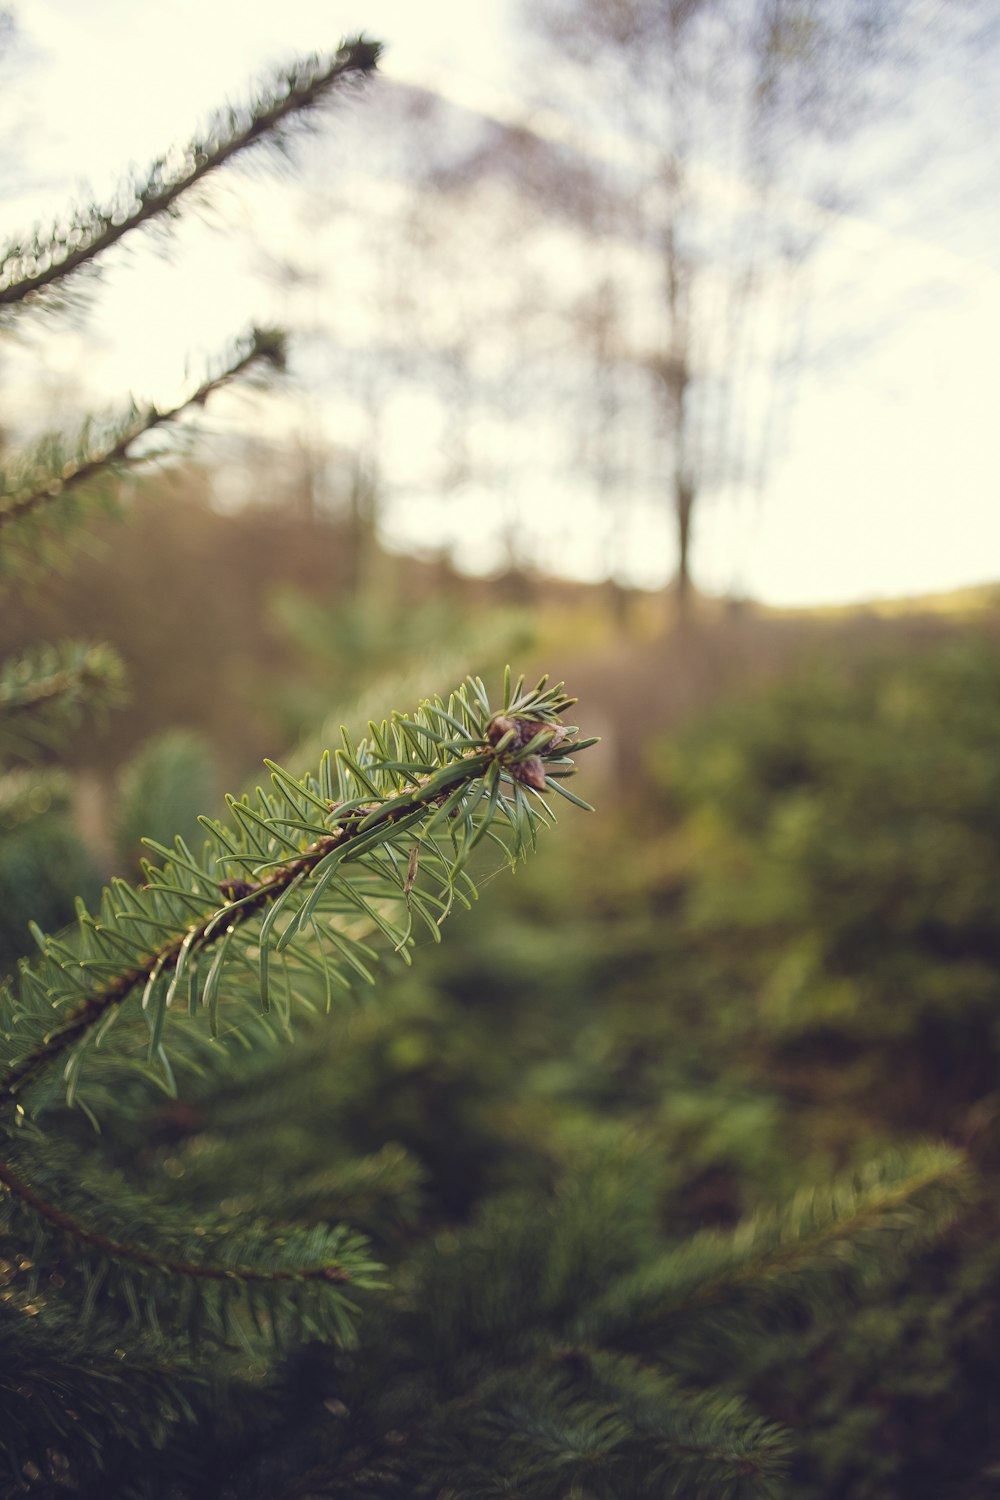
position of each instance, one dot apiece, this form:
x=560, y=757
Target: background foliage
x=773, y=965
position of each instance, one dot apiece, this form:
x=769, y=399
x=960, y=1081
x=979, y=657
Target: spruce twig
x=45, y=691
x=377, y=802
x=826, y=1234
x=118, y=1250
x=27, y=271
x=250, y=897
x=259, y=347
x=417, y=776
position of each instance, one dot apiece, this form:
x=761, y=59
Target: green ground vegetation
x=753, y=994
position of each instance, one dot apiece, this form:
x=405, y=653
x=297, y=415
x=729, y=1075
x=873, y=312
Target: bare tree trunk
x=684, y=508
x=675, y=375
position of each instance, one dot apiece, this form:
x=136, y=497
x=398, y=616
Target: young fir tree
x=358, y=1339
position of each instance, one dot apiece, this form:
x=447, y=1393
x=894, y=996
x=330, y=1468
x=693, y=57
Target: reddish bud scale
x=529, y=772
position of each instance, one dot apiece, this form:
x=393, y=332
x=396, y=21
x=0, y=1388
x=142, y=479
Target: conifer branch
x=46, y=476
x=446, y=764
x=443, y=777
x=91, y=1234
x=248, y=899
x=69, y=1225
x=874, y=1206
x=64, y=1396
x=29, y=270
x=817, y=1237
x=44, y=692
x=583, y=1405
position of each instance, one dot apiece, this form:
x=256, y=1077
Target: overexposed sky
x=890, y=482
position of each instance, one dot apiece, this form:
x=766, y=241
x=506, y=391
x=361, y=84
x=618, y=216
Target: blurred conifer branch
x=55, y=469
x=45, y=693
x=826, y=1239
x=50, y=491
x=30, y=269
x=491, y=1367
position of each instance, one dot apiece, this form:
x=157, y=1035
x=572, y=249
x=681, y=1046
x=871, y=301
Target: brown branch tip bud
x=531, y=771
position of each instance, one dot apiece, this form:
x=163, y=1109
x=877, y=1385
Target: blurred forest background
x=775, y=949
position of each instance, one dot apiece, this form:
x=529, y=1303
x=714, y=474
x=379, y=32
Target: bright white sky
x=891, y=480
